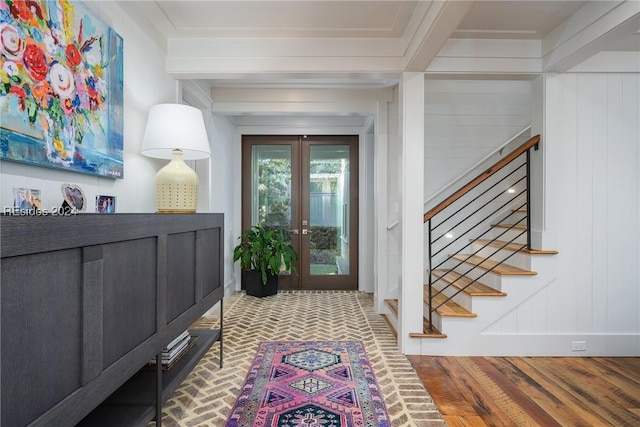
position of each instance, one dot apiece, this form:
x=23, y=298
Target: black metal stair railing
x=500, y=194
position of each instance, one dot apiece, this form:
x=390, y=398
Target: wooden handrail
x=483, y=176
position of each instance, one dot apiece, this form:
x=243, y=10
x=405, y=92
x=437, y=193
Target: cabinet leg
x=221, y=328
x=159, y=390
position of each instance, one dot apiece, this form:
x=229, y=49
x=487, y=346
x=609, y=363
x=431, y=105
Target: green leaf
x=264, y=250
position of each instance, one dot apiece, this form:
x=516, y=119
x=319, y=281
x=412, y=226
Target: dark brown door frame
x=285, y=281
x=299, y=189
x=332, y=282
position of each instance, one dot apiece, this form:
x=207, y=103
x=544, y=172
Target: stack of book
x=172, y=352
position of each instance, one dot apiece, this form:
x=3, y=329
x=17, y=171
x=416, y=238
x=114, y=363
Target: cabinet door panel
x=208, y=259
x=41, y=318
x=129, y=296
x=181, y=273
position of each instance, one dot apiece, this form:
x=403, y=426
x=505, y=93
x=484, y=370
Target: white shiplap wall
x=465, y=120
x=592, y=214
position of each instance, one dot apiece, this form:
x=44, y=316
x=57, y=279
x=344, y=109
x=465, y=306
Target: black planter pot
x=254, y=287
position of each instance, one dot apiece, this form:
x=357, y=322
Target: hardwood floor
x=533, y=391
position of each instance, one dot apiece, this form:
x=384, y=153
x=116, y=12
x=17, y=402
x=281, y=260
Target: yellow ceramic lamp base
x=176, y=187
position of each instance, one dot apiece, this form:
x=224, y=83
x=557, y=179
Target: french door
x=307, y=187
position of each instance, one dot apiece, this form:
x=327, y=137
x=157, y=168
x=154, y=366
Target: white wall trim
x=237, y=198
x=412, y=170
x=582, y=35
x=532, y=345
x=380, y=205
x=365, y=239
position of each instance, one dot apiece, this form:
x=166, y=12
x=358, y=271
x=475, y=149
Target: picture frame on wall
x=105, y=204
x=62, y=94
x=73, y=199
x=26, y=200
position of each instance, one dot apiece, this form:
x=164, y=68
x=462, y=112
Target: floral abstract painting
x=61, y=87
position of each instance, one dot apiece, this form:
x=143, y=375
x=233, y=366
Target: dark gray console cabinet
x=87, y=300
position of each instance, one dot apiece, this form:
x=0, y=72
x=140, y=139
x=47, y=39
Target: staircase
x=480, y=261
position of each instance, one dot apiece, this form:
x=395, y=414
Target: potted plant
x=263, y=255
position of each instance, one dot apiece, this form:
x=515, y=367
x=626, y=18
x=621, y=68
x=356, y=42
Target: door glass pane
x=271, y=187
x=328, y=209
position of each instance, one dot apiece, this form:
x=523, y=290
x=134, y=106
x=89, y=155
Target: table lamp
x=176, y=132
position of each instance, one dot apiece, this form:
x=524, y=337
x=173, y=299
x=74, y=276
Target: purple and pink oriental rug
x=311, y=384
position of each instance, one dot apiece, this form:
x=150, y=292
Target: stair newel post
x=528, y=154
x=429, y=274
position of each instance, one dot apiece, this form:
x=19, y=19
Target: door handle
x=305, y=231
x=295, y=231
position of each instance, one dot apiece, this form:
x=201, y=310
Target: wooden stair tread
x=487, y=264
x=512, y=226
x=393, y=306
x=523, y=210
x=435, y=333
x=449, y=308
x=459, y=281
x=514, y=247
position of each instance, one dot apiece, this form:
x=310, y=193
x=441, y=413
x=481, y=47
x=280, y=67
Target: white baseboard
x=596, y=345
x=230, y=287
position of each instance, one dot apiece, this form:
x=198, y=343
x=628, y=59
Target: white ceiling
x=515, y=19
x=502, y=19
x=359, y=18
x=407, y=34
x=283, y=18
x=362, y=18
x=369, y=43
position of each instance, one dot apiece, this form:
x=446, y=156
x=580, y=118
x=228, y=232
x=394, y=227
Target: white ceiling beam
x=299, y=130
x=282, y=47
x=490, y=48
x=587, y=32
x=301, y=95
x=210, y=57
x=479, y=66
x=305, y=82
x=326, y=102
x=210, y=67
x=244, y=108
x=610, y=62
x=439, y=21
x=480, y=56
x=298, y=120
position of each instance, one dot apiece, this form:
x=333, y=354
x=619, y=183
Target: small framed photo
x=27, y=199
x=105, y=204
x=74, y=199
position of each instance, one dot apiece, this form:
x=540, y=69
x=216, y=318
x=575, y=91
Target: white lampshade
x=177, y=132
x=175, y=127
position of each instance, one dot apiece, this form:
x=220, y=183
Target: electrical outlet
x=578, y=346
